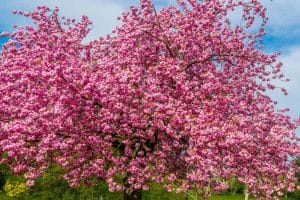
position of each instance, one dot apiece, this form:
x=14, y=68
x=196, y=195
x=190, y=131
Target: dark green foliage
x=52, y=187
x=296, y=194
x=49, y=186
x=3, y=173
x=2, y=180
x=6, y=174
x=298, y=163
x=157, y=192
x=235, y=187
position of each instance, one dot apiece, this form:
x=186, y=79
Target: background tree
x=2, y=180
x=175, y=96
x=296, y=193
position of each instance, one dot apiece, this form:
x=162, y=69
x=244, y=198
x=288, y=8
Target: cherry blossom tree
x=176, y=96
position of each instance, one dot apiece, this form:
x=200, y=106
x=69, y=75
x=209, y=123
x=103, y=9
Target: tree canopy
x=176, y=96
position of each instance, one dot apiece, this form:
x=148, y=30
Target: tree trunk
x=134, y=195
x=246, y=193
x=246, y=196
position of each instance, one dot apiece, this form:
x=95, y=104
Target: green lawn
x=146, y=196
x=238, y=197
x=230, y=197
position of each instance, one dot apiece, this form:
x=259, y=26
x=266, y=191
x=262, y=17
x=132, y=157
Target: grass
x=238, y=197
x=149, y=195
x=230, y=197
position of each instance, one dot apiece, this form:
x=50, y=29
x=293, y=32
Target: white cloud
x=283, y=12
x=291, y=69
x=284, y=16
x=102, y=12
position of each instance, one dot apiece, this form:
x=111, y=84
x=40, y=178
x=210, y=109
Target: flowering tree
x=175, y=96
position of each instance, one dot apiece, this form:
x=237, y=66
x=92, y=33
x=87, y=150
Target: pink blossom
x=175, y=96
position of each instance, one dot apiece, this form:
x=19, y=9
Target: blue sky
x=283, y=30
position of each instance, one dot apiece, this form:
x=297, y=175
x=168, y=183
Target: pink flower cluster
x=175, y=96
